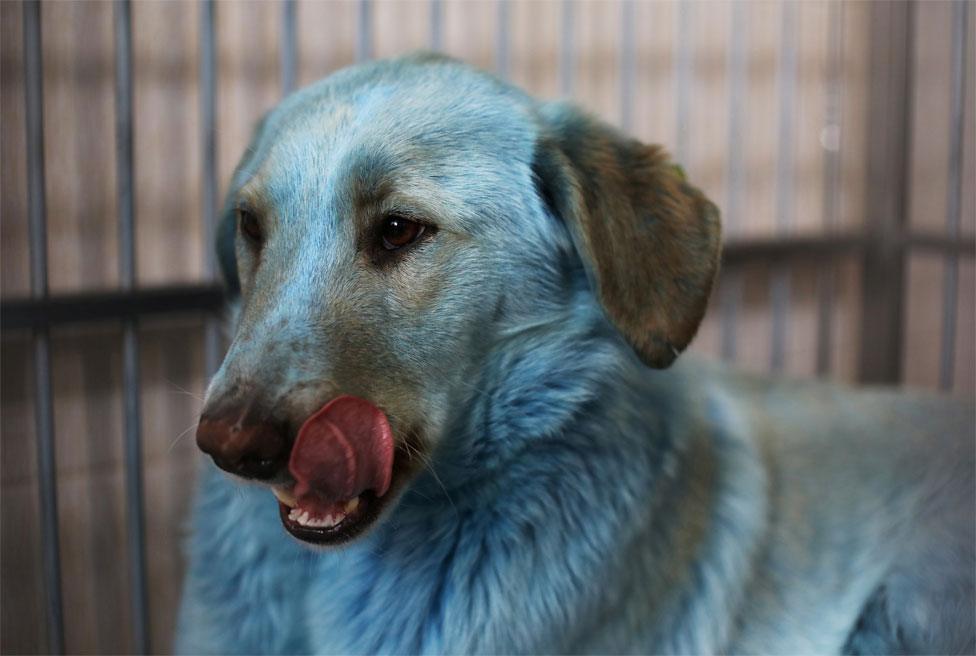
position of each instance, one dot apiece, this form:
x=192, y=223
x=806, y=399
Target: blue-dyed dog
x=499, y=284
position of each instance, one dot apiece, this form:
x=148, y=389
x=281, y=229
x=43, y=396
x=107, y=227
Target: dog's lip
x=284, y=495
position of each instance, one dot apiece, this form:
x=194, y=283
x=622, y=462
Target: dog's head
x=386, y=229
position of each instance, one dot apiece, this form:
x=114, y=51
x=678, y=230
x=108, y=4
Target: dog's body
x=570, y=498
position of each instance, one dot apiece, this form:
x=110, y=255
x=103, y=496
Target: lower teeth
x=303, y=518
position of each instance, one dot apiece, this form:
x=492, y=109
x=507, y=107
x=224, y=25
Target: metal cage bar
x=780, y=286
x=502, y=40
x=43, y=401
x=131, y=384
x=436, y=25
x=957, y=101
x=889, y=165
x=364, y=30
x=208, y=122
x=731, y=289
x=682, y=82
x=628, y=72
x=288, y=46
x=567, y=54
x=831, y=140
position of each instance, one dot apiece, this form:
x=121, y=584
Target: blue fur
x=536, y=518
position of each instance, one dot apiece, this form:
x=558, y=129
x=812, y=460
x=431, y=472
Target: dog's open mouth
x=321, y=522
x=344, y=464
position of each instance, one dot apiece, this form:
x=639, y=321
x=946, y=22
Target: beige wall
x=79, y=151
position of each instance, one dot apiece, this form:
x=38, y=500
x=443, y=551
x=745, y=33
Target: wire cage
x=838, y=140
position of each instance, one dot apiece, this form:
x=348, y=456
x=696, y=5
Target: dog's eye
x=251, y=227
x=398, y=232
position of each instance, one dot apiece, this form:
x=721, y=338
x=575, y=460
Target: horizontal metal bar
x=746, y=251
x=113, y=305
x=941, y=244
x=109, y=306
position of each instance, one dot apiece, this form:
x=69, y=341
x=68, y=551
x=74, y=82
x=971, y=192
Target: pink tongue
x=343, y=450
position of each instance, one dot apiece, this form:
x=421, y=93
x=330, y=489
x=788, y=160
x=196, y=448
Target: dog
x=451, y=388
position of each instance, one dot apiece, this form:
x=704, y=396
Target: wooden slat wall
x=79, y=132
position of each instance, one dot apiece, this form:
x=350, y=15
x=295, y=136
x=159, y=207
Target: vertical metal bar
x=208, y=121
x=364, y=31
x=289, y=47
x=682, y=80
x=780, y=291
x=735, y=172
x=567, y=60
x=436, y=25
x=43, y=401
x=830, y=140
x=889, y=161
x=123, y=143
x=50, y=535
x=950, y=289
x=135, y=508
x=728, y=308
x=502, y=41
x=34, y=97
x=627, y=64
x=135, y=504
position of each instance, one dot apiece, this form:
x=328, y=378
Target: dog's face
x=389, y=225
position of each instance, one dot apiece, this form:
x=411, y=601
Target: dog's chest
x=365, y=600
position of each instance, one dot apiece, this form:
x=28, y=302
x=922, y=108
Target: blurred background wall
x=838, y=140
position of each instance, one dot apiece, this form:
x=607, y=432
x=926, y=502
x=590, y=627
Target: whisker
x=427, y=464
x=180, y=436
x=183, y=390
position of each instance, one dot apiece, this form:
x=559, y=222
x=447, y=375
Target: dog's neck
x=542, y=490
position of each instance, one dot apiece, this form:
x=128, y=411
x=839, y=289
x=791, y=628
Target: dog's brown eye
x=251, y=227
x=398, y=232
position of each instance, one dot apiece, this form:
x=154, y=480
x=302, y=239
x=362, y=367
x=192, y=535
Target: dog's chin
x=344, y=521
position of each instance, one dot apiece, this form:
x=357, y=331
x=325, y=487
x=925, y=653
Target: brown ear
x=650, y=241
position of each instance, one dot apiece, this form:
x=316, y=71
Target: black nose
x=257, y=450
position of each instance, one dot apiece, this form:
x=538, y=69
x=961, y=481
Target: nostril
x=255, y=451
x=259, y=468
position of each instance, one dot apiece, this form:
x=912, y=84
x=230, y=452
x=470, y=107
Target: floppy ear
x=649, y=240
